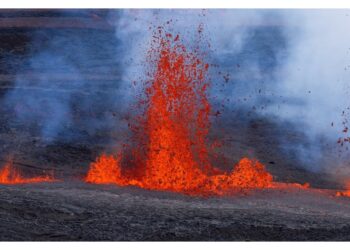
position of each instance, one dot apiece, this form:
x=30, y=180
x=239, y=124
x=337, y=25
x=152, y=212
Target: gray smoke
x=66, y=85
x=40, y=100
x=316, y=75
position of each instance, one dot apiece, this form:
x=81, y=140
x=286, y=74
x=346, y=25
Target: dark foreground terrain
x=78, y=211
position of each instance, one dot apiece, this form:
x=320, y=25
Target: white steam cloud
x=316, y=75
x=304, y=70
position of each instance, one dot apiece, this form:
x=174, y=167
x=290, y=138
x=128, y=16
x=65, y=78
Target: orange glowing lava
x=174, y=131
x=346, y=192
x=9, y=175
x=343, y=193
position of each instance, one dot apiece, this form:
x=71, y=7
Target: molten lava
x=9, y=175
x=173, y=148
x=105, y=170
x=343, y=193
x=346, y=192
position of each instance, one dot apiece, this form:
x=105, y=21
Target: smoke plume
x=288, y=66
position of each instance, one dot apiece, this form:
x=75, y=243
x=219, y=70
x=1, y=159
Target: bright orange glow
x=9, y=175
x=343, y=193
x=105, y=170
x=346, y=192
x=246, y=174
x=174, y=131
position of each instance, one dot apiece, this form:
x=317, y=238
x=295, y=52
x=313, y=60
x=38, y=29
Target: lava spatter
x=10, y=175
x=175, y=126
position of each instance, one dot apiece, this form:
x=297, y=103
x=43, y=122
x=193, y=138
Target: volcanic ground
x=77, y=211
x=72, y=210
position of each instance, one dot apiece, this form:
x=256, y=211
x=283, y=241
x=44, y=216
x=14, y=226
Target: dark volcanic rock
x=78, y=211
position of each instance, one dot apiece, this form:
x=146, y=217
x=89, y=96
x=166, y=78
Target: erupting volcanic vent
x=172, y=149
x=9, y=175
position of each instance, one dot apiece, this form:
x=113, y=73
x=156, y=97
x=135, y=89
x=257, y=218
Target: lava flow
x=172, y=134
x=9, y=175
x=345, y=192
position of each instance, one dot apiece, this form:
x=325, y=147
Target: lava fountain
x=172, y=133
x=9, y=175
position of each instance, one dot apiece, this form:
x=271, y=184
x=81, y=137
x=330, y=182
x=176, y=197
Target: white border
x=174, y=4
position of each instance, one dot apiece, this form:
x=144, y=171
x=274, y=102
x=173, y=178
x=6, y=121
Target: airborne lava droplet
x=172, y=149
